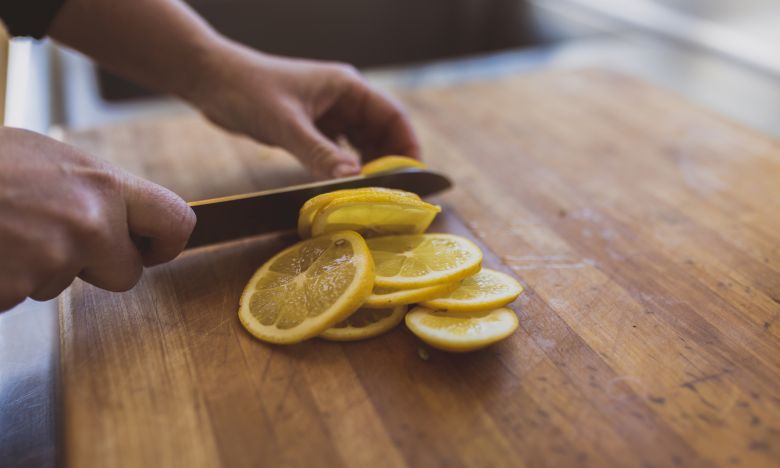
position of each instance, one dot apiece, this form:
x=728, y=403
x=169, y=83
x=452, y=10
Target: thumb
x=160, y=216
x=319, y=154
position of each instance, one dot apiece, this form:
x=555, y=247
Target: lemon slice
x=307, y=288
x=461, y=332
x=365, y=323
x=387, y=297
x=315, y=204
x=375, y=214
x=389, y=163
x=485, y=290
x=416, y=261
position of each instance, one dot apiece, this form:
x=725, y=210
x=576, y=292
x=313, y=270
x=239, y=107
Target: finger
x=54, y=285
x=115, y=266
x=375, y=124
x=161, y=217
x=319, y=154
x=8, y=302
x=14, y=289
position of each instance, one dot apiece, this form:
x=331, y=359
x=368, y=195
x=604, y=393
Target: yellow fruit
x=365, y=323
x=485, y=290
x=461, y=332
x=307, y=288
x=389, y=163
x=416, y=261
x=315, y=204
x=385, y=297
x=375, y=214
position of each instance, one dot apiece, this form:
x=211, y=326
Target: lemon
x=485, y=290
x=461, y=332
x=315, y=204
x=389, y=163
x=387, y=297
x=416, y=261
x=374, y=214
x=365, y=323
x=307, y=288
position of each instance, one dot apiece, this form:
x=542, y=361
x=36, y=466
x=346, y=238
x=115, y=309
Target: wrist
x=212, y=71
x=191, y=82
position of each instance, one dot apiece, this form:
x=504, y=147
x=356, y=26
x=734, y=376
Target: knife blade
x=233, y=217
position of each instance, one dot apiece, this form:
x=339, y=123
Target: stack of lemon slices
x=364, y=261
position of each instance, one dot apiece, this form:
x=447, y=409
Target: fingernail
x=344, y=170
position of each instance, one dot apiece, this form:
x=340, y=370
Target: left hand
x=303, y=106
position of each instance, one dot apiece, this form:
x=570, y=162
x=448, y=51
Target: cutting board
x=645, y=230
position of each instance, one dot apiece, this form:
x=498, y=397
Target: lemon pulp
x=415, y=261
x=307, y=288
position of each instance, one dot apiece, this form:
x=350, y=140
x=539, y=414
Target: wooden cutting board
x=645, y=230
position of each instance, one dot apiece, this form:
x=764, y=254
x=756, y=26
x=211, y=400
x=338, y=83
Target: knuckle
x=90, y=223
x=346, y=71
x=106, y=180
x=56, y=255
x=320, y=156
x=88, y=217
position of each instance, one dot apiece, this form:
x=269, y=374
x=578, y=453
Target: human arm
x=301, y=105
x=65, y=214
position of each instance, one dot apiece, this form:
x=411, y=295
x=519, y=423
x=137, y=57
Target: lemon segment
x=386, y=297
x=488, y=289
x=307, y=288
x=461, y=332
x=315, y=204
x=365, y=323
x=375, y=214
x=389, y=163
x=416, y=261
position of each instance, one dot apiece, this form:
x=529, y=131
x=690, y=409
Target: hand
x=65, y=214
x=304, y=107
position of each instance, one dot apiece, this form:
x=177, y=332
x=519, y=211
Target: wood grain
x=645, y=230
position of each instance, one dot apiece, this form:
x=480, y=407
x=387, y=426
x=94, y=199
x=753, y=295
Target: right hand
x=65, y=214
x=304, y=106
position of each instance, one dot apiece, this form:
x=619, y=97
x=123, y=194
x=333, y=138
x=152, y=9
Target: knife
x=233, y=217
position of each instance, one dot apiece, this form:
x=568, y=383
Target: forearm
x=161, y=44
x=299, y=105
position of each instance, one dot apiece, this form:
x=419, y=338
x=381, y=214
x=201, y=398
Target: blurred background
x=720, y=54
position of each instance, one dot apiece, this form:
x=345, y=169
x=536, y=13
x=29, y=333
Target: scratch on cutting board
x=734, y=396
x=691, y=384
x=546, y=262
x=216, y=326
x=614, y=384
x=695, y=175
x=660, y=299
x=587, y=214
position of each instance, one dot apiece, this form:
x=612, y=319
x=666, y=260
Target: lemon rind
x=409, y=296
x=313, y=205
x=400, y=282
x=319, y=225
x=389, y=163
x=452, y=343
x=475, y=304
x=370, y=331
x=352, y=298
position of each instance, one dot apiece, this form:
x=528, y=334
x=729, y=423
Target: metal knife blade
x=228, y=218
